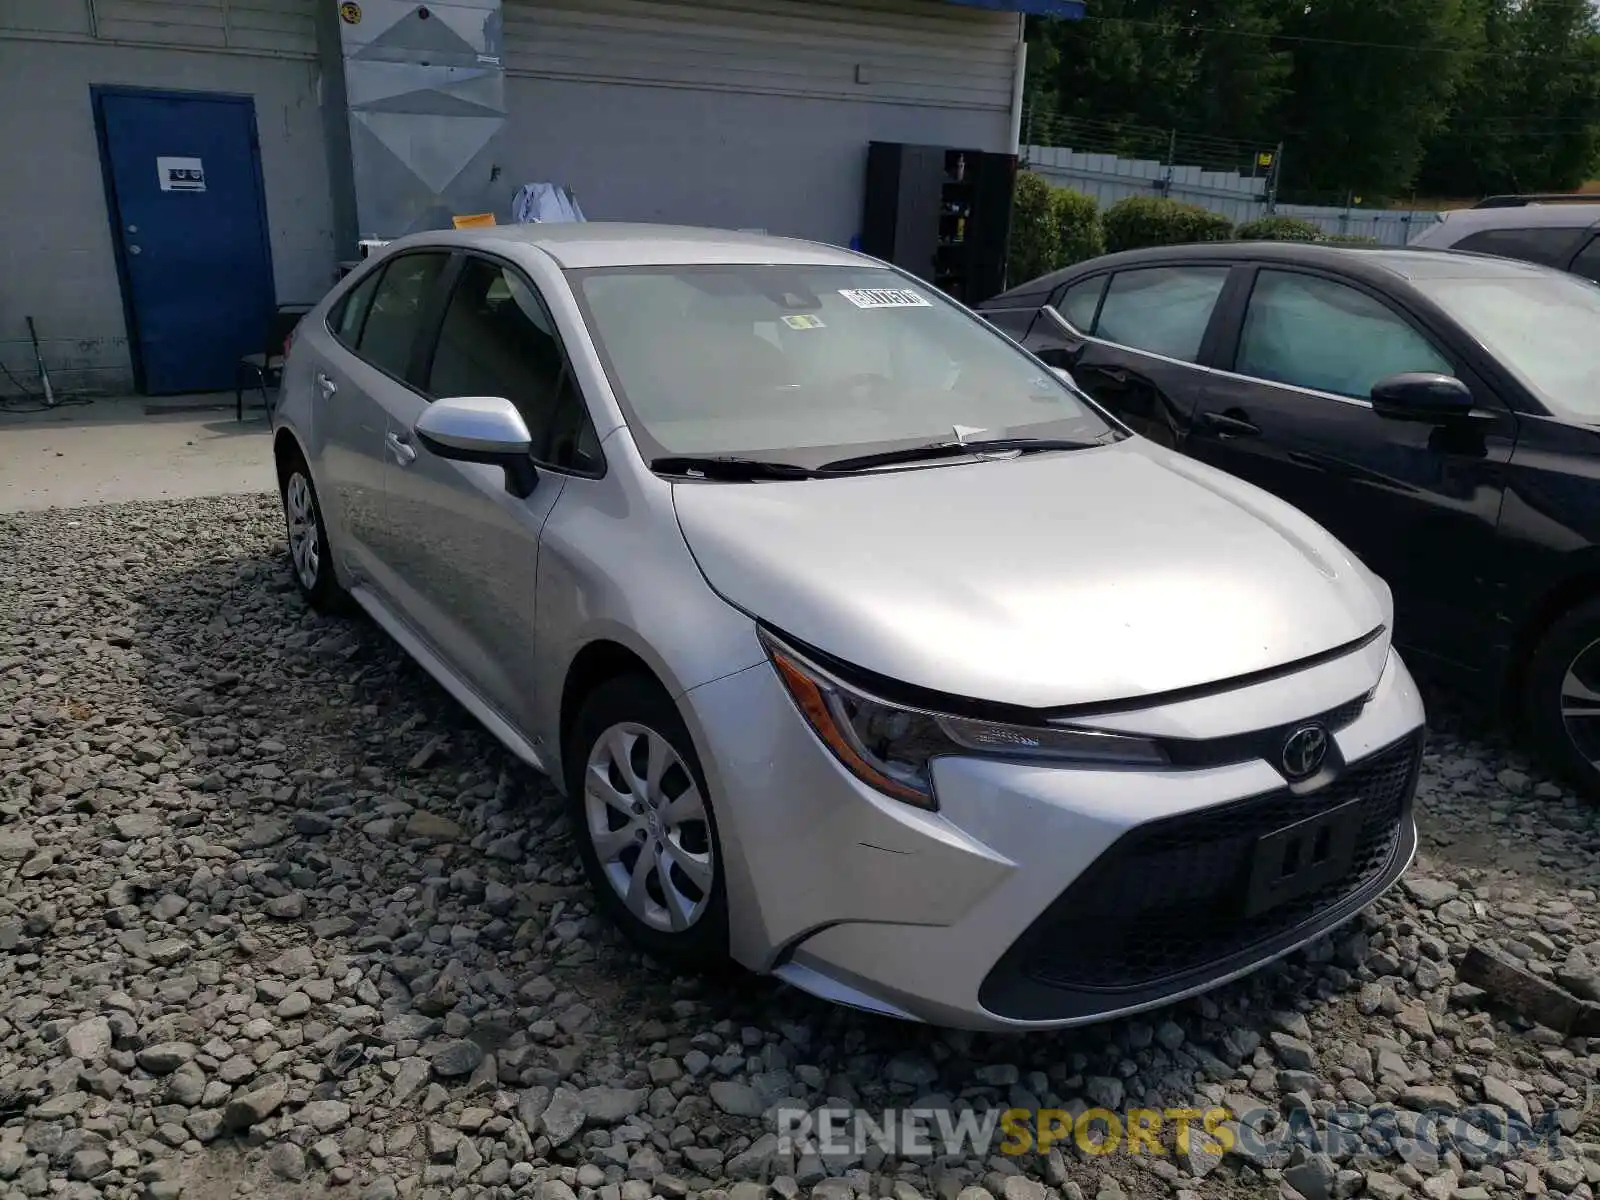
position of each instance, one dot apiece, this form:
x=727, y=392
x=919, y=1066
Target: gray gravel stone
x=287, y=1161
x=736, y=1098
x=457, y=1058
x=166, y=1057
x=276, y=917
x=90, y=1041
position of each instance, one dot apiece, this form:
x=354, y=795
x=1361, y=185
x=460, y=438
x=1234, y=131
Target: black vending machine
x=942, y=214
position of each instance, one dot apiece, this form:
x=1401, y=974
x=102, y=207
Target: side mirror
x=1421, y=396
x=481, y=429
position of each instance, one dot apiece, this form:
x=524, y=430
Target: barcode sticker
x=883, y=298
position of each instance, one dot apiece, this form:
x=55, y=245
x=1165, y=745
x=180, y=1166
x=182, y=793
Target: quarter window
x=1080, y=301
x=1164, y=310
x=497, y=339
x=391, y=327
x=352, y=310
x=1314, y=333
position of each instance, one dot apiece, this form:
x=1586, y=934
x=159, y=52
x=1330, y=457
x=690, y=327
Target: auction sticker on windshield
x=883, y=298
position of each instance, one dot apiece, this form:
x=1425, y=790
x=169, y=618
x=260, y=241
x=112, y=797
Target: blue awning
x=1072, y=10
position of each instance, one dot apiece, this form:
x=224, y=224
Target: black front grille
x=1167, y=899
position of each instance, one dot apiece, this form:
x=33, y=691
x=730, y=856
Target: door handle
x=1114, y=374
x=405, y=453
x=327, y=385
x=1228, y=425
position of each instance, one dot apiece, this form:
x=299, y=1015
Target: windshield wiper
x=887, y=458
x=729, y=468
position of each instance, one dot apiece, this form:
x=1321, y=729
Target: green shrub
x=1035, y=236
x=1141, y=221
x=1279, y=229
x=1351, y=239
x=1202, y=225
x=1079, y=235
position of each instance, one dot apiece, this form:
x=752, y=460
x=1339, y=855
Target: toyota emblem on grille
x=1304, y=751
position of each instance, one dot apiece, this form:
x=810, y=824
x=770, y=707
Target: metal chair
x=267, y=365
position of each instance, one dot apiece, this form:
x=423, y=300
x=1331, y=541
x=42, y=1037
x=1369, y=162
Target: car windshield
x=805, y=364
x=1543, y=327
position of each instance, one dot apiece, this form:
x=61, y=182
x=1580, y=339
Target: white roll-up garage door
x=745, y=113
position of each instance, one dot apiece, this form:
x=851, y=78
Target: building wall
x=743, y=113
x=56, y=258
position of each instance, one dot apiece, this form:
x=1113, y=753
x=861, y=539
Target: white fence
x=1238, y=197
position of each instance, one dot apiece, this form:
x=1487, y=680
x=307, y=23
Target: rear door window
x=390, y=331
x=1164, y=310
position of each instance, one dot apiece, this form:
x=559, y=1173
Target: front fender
x=613, y=567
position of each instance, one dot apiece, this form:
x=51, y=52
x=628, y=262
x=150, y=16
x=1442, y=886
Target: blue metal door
x=183, y=182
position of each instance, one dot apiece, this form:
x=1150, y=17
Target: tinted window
x=1549, y=245
x=498, y=340
x=1587, y=263
x=1079, y=302
x=352, y=310
x=391, y=326
x=1314, y=333
x=1161, y=309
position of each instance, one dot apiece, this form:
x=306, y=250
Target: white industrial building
x=160, y=150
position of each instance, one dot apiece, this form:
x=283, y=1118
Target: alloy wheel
x=300, y=510
x=648, y=825
x=1580, y=703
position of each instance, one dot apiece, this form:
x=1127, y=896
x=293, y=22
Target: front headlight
x=891, y=747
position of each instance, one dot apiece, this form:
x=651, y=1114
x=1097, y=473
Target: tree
x=1372, y=97
x=1206, y=68
x=1373, y=81
x=1527, y=116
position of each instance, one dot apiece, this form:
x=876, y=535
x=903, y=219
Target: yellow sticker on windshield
x=803, y=321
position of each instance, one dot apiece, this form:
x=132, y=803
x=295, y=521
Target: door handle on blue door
x=1230, y=424
x=405, y=454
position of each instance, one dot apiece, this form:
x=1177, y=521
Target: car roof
x=581, y=244
x=1456, y=224
x=1374, y=263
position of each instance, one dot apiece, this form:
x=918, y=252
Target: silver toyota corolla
x=866, y=650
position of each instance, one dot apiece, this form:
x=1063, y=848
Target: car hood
x=1050, y=580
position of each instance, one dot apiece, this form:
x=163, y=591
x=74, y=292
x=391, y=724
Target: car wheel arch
x=597, y=663
x=285, y=449
x=1569, y=592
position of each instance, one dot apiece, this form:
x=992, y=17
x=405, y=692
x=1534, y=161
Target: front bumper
x=1044, y=896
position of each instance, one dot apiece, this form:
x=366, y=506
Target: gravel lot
x=277, y=919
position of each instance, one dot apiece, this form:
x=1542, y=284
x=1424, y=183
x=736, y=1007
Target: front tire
x=643, y=820
x=1561, y=697
x=310, y=556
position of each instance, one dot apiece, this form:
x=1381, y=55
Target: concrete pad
x=114, y=450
